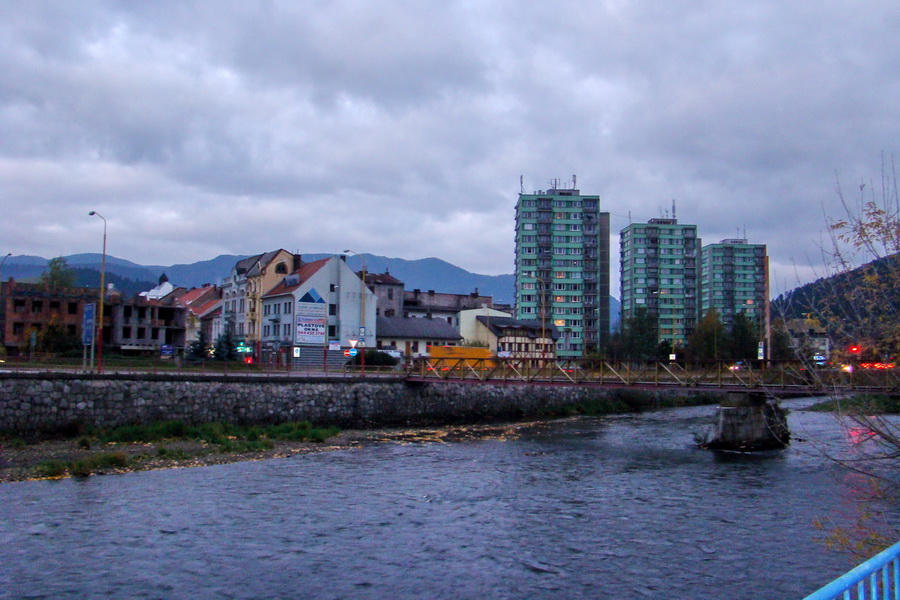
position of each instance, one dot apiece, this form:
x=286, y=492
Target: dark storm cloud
x=401, y=128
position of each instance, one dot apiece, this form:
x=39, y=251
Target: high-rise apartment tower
x=562, y=267
x=735, y=278
x=659, y=269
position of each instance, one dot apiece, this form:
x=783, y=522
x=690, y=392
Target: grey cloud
x=231, y=127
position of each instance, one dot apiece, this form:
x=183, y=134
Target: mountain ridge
x=425, y=274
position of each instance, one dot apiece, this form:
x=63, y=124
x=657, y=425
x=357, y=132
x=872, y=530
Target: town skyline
x=200, y=129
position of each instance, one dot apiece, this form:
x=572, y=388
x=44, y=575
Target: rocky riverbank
x=23, y=462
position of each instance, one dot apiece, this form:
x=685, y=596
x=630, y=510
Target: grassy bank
x=626, y=401
x=860, y=405
x=154, y=445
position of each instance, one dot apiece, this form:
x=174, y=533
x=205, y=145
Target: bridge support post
x=749, y=422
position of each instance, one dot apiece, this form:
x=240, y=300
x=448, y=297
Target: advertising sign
x=87, y=324
x=311, y=320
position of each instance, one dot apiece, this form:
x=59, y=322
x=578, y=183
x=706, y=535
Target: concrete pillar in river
x=748, y=421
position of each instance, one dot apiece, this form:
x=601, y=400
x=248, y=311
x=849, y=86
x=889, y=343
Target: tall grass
x=226, y=435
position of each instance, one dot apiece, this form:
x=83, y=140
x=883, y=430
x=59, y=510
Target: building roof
x=531, y=328
x=426, y=329
x=381, y=278
x=297, y=278
x=262, y=262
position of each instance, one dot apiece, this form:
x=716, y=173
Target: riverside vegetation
x=155, y=445
x=176, y=443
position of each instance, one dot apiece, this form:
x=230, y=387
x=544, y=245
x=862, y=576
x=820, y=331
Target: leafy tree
x=639, y=335
x=54, y=338
x=225, y=347
x=58, y=276
x=743, y=338
x=709, y=341
x=197, y=349
x=782, y=348
x=375, y=358
x=862, y=312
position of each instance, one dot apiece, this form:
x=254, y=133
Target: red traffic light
x=855, y=349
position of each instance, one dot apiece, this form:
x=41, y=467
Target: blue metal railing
x=876, y=579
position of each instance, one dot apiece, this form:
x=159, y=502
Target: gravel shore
x=20, y=462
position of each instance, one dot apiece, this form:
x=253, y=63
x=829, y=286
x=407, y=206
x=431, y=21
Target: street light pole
x=3, y=302
x=362, y=313
x=94, y=213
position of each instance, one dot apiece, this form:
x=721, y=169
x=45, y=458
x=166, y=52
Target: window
x=281, y=268
x=73, y=308
x=287, y=307
x=37, y=306
x=332, y=310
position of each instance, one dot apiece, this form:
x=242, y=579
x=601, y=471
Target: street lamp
x=362, y=313
x=2, y=299
x=94, y=213
x=8, y=254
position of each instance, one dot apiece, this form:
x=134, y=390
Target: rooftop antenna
x=629, y=217
x=521, y=184
x=574, y=182
x=673, y=208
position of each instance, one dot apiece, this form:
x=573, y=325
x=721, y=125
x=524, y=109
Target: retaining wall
x=31, y=403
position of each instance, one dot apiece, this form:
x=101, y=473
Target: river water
x=624, y=506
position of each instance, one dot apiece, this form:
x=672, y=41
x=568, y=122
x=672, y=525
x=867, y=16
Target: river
x=624, y=506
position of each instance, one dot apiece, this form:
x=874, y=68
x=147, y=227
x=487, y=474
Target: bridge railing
x=719, y=374
x=877, y=578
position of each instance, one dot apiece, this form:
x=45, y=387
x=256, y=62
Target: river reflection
x=580, y=508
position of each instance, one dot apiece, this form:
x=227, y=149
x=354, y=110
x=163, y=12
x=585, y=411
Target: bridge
x=776, y=377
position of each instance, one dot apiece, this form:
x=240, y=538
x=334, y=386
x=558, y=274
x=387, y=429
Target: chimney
x=298, y=262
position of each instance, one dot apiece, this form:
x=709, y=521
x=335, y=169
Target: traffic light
x=854, y=349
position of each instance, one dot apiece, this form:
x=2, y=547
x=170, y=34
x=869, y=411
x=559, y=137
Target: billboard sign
x=87, y=324
x=311, y=317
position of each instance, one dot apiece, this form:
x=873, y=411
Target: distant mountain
x=423, y=274
x=847, y=299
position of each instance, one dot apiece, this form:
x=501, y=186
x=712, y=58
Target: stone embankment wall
x=31, y=404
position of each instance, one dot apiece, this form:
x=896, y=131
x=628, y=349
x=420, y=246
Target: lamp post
x=94, y=213
x=362, y=313
x=8, y=254
x=3, y=302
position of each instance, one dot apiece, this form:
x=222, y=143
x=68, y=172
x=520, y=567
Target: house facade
x=413, y=336
x=507, y=337
x=27, y=310
x=242, y=292
x=322, y=304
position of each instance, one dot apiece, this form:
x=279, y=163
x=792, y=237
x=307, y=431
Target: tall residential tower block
x=735, y=280
x=562, y=267
x=659, y=268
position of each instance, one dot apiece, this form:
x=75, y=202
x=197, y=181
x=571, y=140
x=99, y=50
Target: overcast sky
x=402, y=128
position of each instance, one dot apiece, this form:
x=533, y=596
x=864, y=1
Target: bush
x=375, y=358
